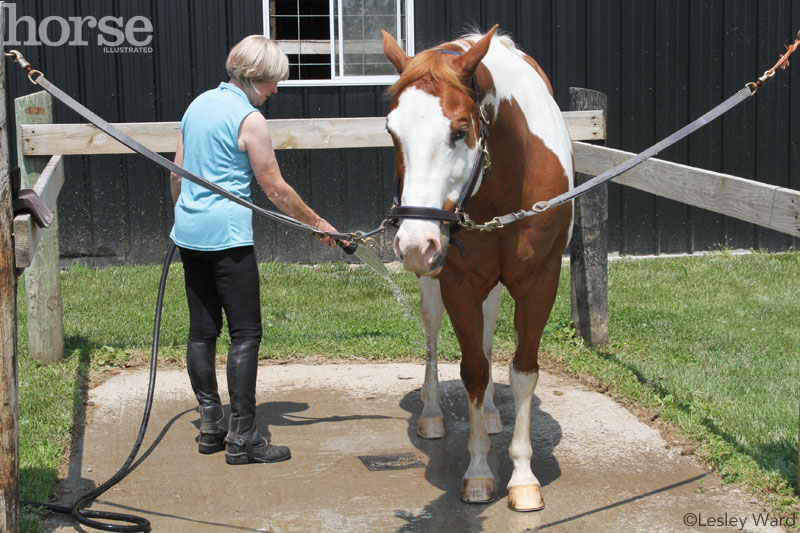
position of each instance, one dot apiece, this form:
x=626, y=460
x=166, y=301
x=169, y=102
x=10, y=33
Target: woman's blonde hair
x=256, y=59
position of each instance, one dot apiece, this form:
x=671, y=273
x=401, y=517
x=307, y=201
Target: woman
x=225, y=139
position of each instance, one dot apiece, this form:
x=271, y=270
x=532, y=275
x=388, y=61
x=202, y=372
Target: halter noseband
x=480, y=170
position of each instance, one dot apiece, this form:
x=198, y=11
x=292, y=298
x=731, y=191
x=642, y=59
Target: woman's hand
x=323, y=225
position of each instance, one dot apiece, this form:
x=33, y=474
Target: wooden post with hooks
x=589, y=247
x=9, y=413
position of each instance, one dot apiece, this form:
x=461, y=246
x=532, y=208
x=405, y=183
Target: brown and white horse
x=434, y=121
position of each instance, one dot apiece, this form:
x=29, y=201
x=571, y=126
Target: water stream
x=372, y=260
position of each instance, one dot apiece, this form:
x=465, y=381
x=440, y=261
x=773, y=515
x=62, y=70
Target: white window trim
x=348, y=80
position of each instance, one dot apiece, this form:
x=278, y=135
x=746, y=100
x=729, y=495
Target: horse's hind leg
x=491, y=308
x=534, y=299
x=431, y=423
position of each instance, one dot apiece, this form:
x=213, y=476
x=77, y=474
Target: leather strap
x=724, y=107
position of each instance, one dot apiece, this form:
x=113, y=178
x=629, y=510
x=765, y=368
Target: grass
x=708, y=344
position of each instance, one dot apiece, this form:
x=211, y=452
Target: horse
x=455, y=108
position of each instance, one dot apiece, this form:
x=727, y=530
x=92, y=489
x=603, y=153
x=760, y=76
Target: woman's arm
x=174, y=179
x=255, y=138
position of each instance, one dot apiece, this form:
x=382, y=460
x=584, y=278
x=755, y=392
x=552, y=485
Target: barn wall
x=661, y=63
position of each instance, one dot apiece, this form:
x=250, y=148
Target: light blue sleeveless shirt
x=210, y=128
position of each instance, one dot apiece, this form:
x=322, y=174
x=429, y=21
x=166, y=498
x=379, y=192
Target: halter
x=480, y=170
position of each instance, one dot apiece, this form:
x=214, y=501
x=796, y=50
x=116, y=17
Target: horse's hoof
x=525, y=498
x=493, y=423
x=431, y=428
x=477, y=490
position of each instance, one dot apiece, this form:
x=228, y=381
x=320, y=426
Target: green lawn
x=710, y=344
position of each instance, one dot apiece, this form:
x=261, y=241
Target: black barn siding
x=661, y=62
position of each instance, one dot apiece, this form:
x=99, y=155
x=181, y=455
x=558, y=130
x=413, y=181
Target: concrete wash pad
x=358, y=465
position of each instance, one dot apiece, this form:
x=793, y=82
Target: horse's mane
x=432, y=66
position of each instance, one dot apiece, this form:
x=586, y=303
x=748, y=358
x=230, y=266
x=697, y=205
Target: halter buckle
x=482, y=115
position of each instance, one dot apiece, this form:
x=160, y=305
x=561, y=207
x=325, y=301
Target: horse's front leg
x=533, y=301
x=466, y=314
x=431, y=423
x=491, y=309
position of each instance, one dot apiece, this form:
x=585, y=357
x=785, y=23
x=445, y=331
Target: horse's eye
x=458, y=135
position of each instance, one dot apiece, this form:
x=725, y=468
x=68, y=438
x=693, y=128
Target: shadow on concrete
x=448, y=458
x=777, y=456
x=622, y=502
x=282, y=414
x=136, y=510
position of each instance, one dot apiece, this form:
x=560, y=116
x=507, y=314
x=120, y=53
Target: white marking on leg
x=491, y=309
x=431, y=310
x=520, y=450
x=479, y=445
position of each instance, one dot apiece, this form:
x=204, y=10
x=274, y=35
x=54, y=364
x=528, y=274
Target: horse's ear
x=469, y=61
x=394, y=53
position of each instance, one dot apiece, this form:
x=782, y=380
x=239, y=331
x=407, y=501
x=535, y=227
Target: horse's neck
x=503, y=186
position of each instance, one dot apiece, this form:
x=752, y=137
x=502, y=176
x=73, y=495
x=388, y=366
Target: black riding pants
x=222, y=280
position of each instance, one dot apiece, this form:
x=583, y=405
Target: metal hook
x=17, y=57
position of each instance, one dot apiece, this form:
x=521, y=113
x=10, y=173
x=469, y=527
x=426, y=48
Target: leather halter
x=480, y=169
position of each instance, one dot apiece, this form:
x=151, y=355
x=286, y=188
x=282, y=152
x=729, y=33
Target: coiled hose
x=89, y=517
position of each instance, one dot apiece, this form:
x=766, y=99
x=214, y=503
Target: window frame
x=336, y=79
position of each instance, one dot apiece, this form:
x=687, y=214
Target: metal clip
x=17, y=57
x=492, y=225
x=369, y=241
x=464, y=220
x=767, y=76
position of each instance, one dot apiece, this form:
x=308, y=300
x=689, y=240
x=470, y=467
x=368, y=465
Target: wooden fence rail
x=287, y=134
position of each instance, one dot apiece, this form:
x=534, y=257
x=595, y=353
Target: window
x=338, y=42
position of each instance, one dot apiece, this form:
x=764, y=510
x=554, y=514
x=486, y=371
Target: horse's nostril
x=433, y=244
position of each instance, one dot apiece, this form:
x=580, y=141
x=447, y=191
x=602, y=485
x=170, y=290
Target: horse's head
x=434, y=123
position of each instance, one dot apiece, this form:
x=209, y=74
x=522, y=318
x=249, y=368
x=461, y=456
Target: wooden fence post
x=589, y=248
x=42, y=278
x=9, y=422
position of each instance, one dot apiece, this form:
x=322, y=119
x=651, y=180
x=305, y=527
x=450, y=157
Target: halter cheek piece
x=480, y=169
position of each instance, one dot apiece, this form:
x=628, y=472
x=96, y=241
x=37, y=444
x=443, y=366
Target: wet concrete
x=358, y=464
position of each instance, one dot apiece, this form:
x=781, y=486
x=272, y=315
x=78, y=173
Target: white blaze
x=435, y=167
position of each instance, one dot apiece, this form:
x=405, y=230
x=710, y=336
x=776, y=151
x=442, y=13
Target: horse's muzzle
x=421, y=252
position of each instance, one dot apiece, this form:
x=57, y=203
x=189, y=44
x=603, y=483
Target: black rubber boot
x=212, y=429
x=254, y=449
x=200, y=364
x=245, y=445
